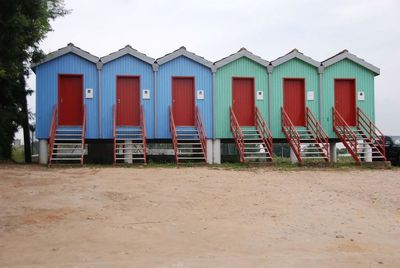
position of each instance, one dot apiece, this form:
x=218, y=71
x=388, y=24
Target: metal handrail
x=173, y=133
x=265, y=132
x=376, y=136
x=114, y=111
x=143, y=124
x=200, y=128
x=52, y=133
x=83, y=133
x=237, y=134
x=319, y=133
x=291, y=134
x=340, y=126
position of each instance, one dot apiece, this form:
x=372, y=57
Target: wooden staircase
x=66, y=143
x=309, y=142
x=360, y=139
x=129, y=141
x=253, y=143
x=189, y=142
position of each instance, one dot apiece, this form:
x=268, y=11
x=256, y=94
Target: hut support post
x=209, y=151
x=293, y=157
x=217, y=151
x=43, y=151
x=332, y=151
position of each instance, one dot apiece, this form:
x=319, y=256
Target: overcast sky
x=215, y=29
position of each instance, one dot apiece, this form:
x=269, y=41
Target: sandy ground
x=198, y=217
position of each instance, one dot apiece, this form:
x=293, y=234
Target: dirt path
x=198, y=217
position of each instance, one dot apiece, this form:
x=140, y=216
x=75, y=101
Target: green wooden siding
x=242, y=67
x=293, y=68
x=364, y=82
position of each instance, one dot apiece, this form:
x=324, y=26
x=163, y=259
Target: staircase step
x=189, y=143
x=65, y=158
x=257, y=157
x=191, y=158
x=129, y=158
x=71, y=145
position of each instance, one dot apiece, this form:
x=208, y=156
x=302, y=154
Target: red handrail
x=114, y=111
x=291, y=134
x=375, y=136
x=344, y=132
x=200, y=129
x=265, y=132
x=173, y=133
x=318, y=132
x=237, y=134
x=52, y=133
x=83, y=133
x=143, y=124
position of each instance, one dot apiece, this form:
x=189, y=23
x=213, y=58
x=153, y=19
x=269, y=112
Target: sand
x=198, y=217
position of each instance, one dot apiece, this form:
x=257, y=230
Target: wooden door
x=128, y=101
x=243, y=100
x=70, y=100
x=345, y=99
x=183, y=100
x=294, y=100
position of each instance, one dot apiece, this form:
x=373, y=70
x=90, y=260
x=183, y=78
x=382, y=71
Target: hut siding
x=293, y=68
x=364, y=82
x=126, y=65
x=47, y=92
x=242, y=67
x=182, y=66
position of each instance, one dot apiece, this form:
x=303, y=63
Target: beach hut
x=127, y=103
x=348, y=106
x=184, y=99
x=241, y=106
x=295, y=106
x=66, y=104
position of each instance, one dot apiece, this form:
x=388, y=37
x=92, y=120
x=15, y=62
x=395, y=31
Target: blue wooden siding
x=125, y=65
x=183, y=66
x=47, y=92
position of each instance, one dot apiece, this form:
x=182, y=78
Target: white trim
x=241, y=53
x=183, y=52
x=127, y=50
x=347, y=55
x=295, y=54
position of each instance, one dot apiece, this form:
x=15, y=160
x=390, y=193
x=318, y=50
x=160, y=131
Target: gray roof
x=127, y=50
x=70, y=48
x=241, y=53
x=295, y=54
x=345, y=54
x=183, y=52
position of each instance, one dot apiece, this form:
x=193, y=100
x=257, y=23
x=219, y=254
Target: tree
x=23, y=24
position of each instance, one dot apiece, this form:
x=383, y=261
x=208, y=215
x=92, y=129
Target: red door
x=128, y=101
x=243, y=100
x=183, y=100
x=294, y=101
x=70, y=100
x=345, y=99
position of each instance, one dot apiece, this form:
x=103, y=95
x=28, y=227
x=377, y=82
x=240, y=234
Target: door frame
x=355, y=94
x=194, y=93
x=58, y=92
x=254, y=92
x=116, y=88
x=304, y=95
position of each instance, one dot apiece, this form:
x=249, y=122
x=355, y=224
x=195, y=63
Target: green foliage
x=23, y=24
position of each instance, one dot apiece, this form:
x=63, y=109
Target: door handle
x=119, y=101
